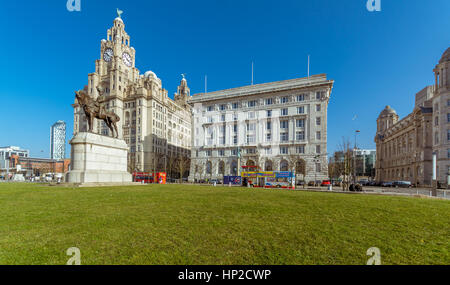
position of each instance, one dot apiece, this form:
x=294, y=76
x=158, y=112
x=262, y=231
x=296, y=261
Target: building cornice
x=307, y=82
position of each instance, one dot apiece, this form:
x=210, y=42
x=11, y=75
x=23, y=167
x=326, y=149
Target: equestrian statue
x=94, y=109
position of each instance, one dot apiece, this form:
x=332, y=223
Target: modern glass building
x=58, y=140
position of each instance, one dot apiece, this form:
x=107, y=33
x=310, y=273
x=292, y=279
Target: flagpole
x=308, y=65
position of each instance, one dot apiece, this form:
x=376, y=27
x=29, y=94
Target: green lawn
x=179, y=224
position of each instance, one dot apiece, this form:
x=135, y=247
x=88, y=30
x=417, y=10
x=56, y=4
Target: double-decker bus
x=148, y=177
x=269, y=179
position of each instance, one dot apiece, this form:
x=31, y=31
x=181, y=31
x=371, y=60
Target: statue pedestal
x=98, y=159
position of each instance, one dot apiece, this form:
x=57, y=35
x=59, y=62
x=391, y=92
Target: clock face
x=108, y=54
x=126, y=59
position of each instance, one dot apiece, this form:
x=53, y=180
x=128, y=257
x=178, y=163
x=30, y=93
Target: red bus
x=148, y=177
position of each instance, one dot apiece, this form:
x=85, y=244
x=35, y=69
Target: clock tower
x=151, y=124
x=114, y=72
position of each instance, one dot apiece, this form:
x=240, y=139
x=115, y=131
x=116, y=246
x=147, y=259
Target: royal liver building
x=277, y=126
x=156, y=128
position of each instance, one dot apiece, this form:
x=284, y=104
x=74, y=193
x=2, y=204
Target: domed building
x=405, y=147
x=155, y=127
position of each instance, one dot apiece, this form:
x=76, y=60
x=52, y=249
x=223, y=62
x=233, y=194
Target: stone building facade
x=273, y=125
x=405, y=147
x=155, y=127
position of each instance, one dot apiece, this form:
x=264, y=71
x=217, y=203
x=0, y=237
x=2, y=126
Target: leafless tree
x=183, y=163
x=344, y=162
x=171, y=164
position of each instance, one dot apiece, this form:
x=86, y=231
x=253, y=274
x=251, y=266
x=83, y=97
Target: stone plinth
x=98, y=159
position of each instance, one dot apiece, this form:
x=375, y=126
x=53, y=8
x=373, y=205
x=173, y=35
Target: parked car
x=217, y=181
x=311, y=183
x=300, y=182
x=325, y=183
x=387, y=184
x=363, y=182
x=402, y=184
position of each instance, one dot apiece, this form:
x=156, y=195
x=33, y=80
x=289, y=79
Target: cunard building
x=156, y=128
x=277, y=126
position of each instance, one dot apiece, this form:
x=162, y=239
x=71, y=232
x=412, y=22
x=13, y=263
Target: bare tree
x=200, y=165
x=344, y=162
x=183, y=163
x=171, y=164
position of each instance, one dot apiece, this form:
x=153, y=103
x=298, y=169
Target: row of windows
x=283, y=150
x=269, y=101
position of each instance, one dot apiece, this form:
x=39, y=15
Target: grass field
x=180, y=224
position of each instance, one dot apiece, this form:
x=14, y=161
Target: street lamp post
x=354, y=158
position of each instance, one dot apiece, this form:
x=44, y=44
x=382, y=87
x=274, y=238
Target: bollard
x=330, y=187
x=229, y=184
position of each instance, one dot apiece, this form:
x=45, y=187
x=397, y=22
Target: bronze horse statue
x=93, y=109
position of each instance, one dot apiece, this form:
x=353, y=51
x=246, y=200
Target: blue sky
x=376, y=58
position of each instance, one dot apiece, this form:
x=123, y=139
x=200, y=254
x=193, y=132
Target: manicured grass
x=182, y=224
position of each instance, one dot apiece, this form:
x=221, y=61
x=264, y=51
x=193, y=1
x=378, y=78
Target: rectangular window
x=234, y=152
x=301, y=110
x=318, y=167
x=318, y=121
x=250, y=138
x=284, y=100
x=318, y=108
x=252, y=103
x=284, y=112
x=223, y=107
x=300, y=97
x=317, y=148
x=448, y=153
x=251, y=127
x=284, y=150
x=300, y=123
x=284, y=137
x=235, y=117
x=235, y=127
x=269, y=101
x=269, y=125
x=208, y=153
x=318, y=135
x=209, y=108
x=269, y=113
x=300, y=136
x=221, y=152
x=448, y=135
x=300, y=149
x=251, y=115
x=448, y=117
x=284, y=124
x=268, y=137
x=268, y=150
x=222, y=118
x=234, y=106
x=235, y=140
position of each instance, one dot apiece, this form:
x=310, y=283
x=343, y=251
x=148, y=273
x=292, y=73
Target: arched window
x=208, y=167
x=234, y=168
x=300, y=167
x=284, y=165
x=222, y=168
x=268, y=166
